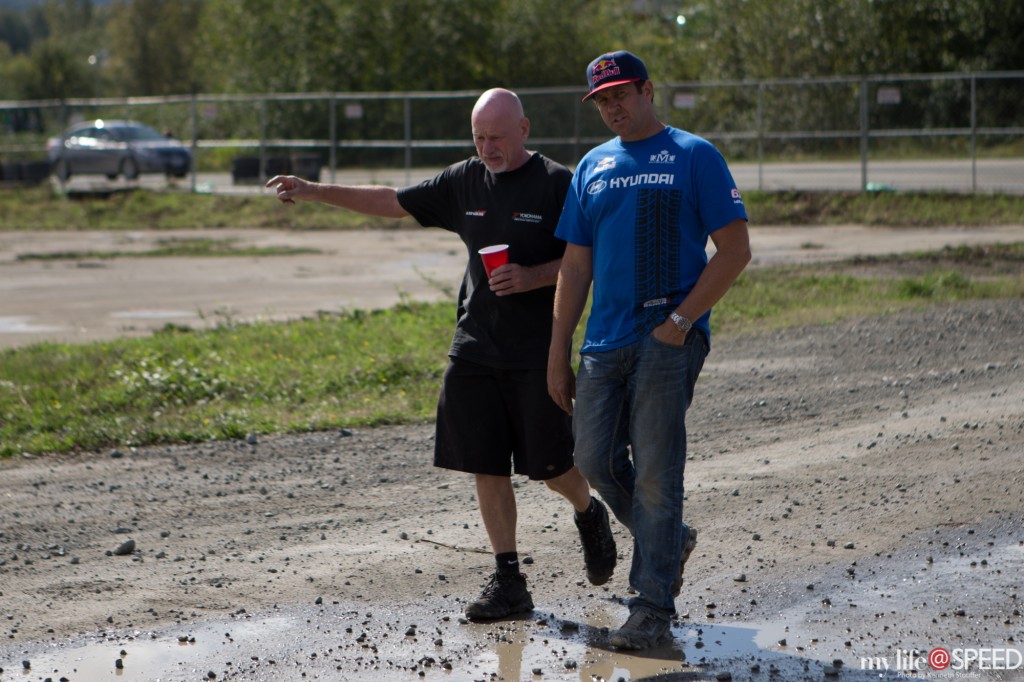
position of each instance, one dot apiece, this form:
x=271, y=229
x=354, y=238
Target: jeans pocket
x=662, y=344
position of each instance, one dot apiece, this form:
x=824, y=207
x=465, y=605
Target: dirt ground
x=858, y=488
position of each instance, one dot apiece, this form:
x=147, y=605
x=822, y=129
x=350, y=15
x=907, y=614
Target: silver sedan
x=113, y=148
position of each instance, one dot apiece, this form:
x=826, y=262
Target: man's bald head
x=500, y=129
x=500, y=100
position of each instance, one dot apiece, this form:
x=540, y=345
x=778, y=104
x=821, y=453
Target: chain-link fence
x=788, y=133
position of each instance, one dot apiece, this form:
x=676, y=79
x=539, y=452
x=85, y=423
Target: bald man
x=494, y=414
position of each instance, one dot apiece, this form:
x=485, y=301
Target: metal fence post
x=263, y=141
x=760, y=137
x=408, y=140
x=863, y=134
x=974, y=133
x=577, y=132
x=195, y=142
x=332, y=115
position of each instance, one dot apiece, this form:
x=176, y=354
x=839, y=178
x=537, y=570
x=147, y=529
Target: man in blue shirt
x=637, y=218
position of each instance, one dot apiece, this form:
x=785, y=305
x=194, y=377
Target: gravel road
x=858, y=488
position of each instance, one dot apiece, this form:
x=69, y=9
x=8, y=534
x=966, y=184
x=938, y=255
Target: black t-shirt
x=519, y=208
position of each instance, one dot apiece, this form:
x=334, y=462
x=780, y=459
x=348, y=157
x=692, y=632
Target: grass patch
x=175, y=247
x=994, y=257
x=891, y=209
x=40, y=208
x=385, y=367
x=181, y=386
x=791, y=296
x=769, y=299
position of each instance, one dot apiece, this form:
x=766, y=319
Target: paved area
x=954, y=175
x=79, y=300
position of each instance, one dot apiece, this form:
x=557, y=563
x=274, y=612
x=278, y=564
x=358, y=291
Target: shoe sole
x=626, y=642
x=691, y=544
x=599, y=580
x=520, y=610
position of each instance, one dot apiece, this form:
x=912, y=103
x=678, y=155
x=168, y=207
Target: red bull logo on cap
x=614, y=68
x=605, y=68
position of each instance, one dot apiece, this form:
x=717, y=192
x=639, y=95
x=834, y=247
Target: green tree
x=10, y=68
x=67, y=19
x=153, y=46
x=391, y=45
x=65, y=33
x=739, y=39
x=544, y=46
x=386, y=45
x=53, y=71
x=423, y=44
x=63, y=48
x=263, y=46
x=15, y=32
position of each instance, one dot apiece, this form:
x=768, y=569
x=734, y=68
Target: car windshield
x=137, y=134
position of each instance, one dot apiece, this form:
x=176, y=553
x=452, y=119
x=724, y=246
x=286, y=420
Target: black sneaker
x=598, y=545
x=691, y=542
x=502, y=596
x=645, y=628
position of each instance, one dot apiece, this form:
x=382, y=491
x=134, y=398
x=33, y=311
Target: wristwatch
x=681, y=322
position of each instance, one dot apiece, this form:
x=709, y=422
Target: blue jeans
x=630, y=433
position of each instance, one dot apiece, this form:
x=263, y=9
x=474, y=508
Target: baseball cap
x=614, y=68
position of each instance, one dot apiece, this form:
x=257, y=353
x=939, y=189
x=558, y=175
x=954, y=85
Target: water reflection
x=341, y=642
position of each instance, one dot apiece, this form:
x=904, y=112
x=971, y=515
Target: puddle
x=23, y=325
x=873, y=619
x=421, y=642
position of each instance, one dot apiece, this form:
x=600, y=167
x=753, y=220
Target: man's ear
x=648, y=88
x=524, y=126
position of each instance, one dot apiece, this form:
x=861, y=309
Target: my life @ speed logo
x=941, y=659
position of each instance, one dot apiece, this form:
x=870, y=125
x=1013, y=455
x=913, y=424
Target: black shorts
x=499, y=421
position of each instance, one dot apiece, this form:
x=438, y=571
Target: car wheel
x=130, y=169
x=62, y=170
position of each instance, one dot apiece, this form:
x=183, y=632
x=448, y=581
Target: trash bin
x=10, y=172
x=245, y=170
x=278, y=165
x=307, y=167
x=34, y=172
x=22, y=173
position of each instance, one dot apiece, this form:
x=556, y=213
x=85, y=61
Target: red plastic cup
x=493, y=257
